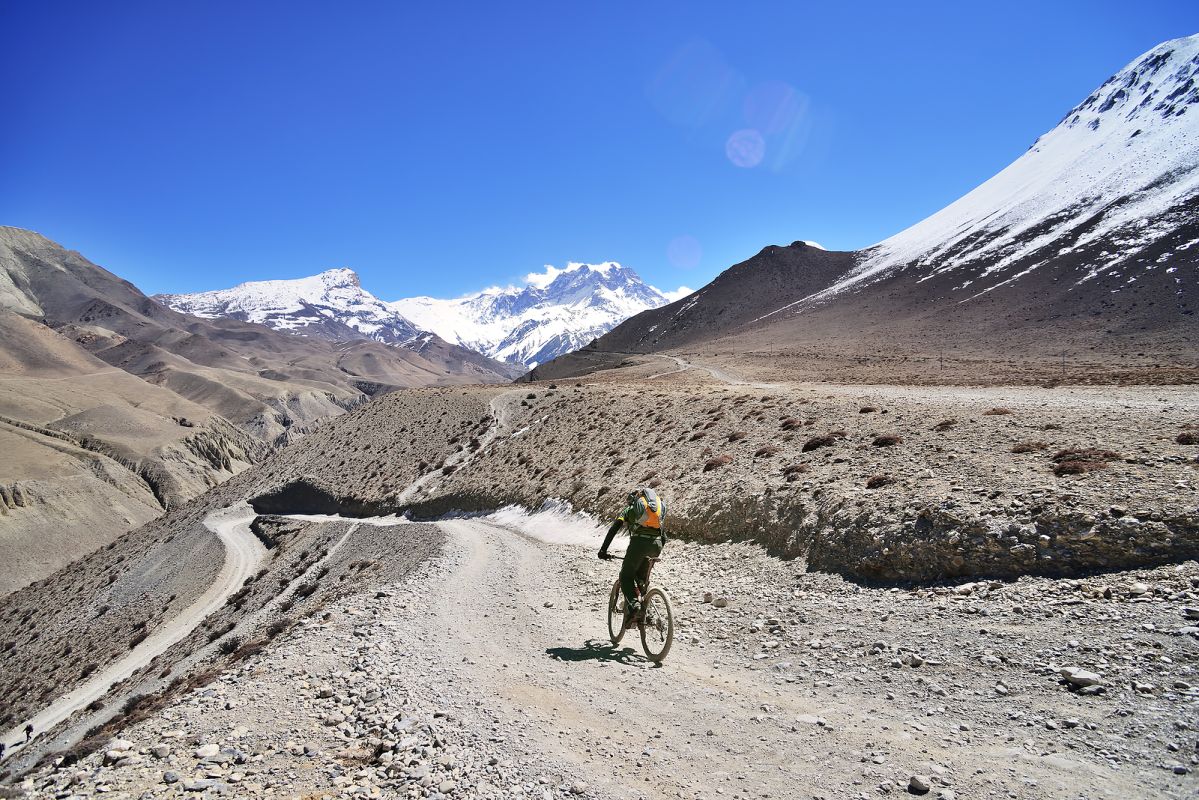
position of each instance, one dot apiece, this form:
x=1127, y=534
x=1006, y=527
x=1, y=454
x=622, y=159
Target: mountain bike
x=655, y=621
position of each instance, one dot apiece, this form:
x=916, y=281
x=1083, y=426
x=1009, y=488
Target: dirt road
x=243, y=554
x=528, y=640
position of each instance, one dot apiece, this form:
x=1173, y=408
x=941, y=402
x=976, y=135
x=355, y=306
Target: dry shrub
x=765, y=451
x=737, y=436
x=717, y=462
x=879, y=481
x=887, y=440
x=1051, y=426
x=868, y=410
x=996, y=412
x=791, y=423
x=655, y=483
x=817, y=442
x=793, y=470
x=1187, y=438
x=697, y=436
x=945, y=424
x=1078, y=467
x=1080, y=460
x=1029, y=447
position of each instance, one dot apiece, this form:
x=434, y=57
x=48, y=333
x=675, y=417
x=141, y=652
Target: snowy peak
x=557, y=311
x=1119, y=174
x=331, y=305
x=1160, y=84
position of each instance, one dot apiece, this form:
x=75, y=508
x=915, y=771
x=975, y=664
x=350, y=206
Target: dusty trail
x=243, y=554
x=701, y=725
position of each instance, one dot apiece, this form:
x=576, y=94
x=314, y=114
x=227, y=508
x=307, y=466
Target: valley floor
x=488, y=673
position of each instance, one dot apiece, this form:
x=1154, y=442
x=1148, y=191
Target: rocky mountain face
x=558, y=311
x=1082, y=251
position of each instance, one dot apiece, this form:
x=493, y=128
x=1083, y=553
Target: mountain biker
x=642, y=515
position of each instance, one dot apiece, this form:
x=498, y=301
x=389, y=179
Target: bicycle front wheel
x=657, y=629
x=616, y=614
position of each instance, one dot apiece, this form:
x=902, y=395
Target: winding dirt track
x=528, y=639
x=243, y=554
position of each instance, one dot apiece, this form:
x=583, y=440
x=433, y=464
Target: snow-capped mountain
x=557, y=311
x=1119, y=173
x=331, y=305
x=1082, y=254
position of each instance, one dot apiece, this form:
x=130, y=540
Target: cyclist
x=642, y=515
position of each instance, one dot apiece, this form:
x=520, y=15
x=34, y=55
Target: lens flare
x=745, y=148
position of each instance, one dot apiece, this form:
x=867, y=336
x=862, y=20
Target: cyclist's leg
x=630, y=568
x=653, y=549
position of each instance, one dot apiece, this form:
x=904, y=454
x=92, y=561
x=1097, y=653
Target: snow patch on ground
x=556, y=522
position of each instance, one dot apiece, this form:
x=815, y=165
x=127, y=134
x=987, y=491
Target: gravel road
x=243, y=554
x=488, y=674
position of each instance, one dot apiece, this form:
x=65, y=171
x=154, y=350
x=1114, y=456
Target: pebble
x=206, y=751
x=1076, y=676
x=919, y=784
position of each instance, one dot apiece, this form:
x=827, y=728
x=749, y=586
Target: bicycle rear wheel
x=616, y=613
x=657, y=629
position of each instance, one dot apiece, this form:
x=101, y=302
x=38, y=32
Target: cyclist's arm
x=612, y=529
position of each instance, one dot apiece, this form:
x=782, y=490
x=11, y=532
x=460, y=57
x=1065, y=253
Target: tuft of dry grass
x=1077, y=467
x=737, y=436
x=1080, y=460
x=765, y=451
x=868, y=410
x=996, y=412
x=887, y=440
x=1187, y=437
x=717, y=462
x=817, y=442
x=792, y=471
x=879, y=481
x=945, y=424
x=1029, y=447
x=791, y=423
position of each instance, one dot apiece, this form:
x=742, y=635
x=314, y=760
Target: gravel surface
x=801, y=685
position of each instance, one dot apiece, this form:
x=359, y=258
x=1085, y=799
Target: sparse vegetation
x=887, y=440
x=945, y=425
x=766, y=451
x=879, y=481
x=717, y=462
x=817, y=442
x=1187, y=437
x=1029, y=447
x=996, y=412
x=868, y=410
x=1078, y=461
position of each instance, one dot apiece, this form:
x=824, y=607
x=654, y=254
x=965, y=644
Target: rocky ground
x=873, y=632
x=791, y=684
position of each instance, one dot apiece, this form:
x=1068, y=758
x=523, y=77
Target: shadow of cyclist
x=596, y=650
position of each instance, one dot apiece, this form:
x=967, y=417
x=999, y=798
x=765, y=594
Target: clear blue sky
x=438, y=148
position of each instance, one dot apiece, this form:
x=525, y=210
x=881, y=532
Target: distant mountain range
x=1087, y=246
x=557, y=311
x=114, y=407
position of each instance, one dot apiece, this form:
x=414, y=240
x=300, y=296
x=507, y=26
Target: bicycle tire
x=657, y=628
x=616, y=614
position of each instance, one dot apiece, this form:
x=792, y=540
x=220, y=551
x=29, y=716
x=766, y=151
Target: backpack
x=651, y=516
